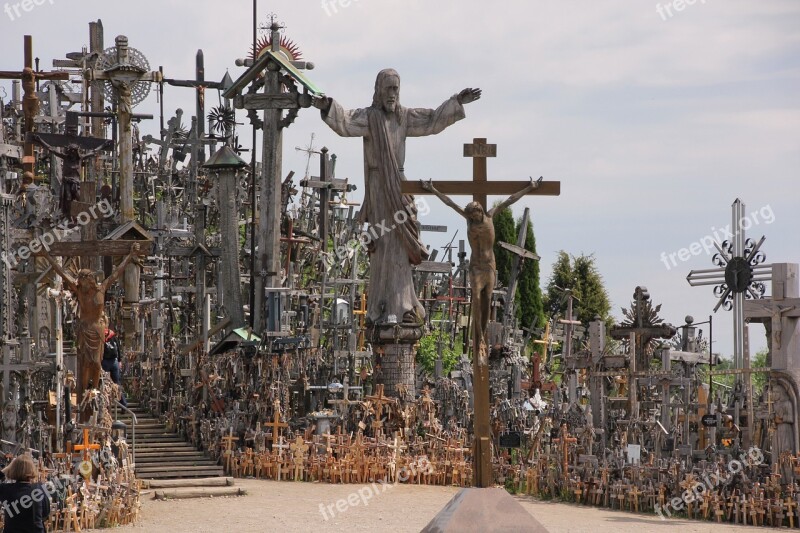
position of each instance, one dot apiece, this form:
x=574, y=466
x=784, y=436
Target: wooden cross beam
x=30, y=101
x=479, y=187
x=86, y=447
x=276, y=425
x=96, y=248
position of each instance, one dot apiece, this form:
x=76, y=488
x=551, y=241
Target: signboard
x=709, y=420
x=512, y=439
x=439, y=229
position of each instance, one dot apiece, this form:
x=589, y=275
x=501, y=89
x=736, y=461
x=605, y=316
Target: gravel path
x=299, y=507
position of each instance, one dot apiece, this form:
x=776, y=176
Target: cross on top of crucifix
x=480, y=187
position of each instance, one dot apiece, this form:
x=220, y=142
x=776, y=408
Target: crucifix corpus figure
x=72, y=149
x=92, y=322
x=394, y=236
x=482, y=267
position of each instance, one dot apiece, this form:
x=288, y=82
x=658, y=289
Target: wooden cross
x=479, y=187
x=276, y=424
x=124, y=76
x=30, y=102
x=379, y=400
x=229, y=440
x=361, y=313
x=200, y=85
x=281, y=102
x=299, y=449
x=634, y=496
x=291, y=241
x=86, y=447
x=790, y=504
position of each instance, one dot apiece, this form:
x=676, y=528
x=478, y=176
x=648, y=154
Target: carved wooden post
x=227, y=165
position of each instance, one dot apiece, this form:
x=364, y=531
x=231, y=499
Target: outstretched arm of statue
x=323, y=103
x=69, y=281
x=514, y=197
x=468, y=95
x=428, y=186
x=121, y=268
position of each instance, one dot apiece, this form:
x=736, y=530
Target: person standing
x=26, y=505
x=112, y=355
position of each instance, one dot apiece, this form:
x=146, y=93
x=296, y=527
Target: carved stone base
x=397, y=370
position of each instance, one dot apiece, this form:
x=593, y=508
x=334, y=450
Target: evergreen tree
x=529, y=294
x=530, y=303
x=504, y=231
x=580, y=275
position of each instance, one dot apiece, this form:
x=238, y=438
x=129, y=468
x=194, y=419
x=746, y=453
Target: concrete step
x=181, y=452
x=195, y=459
x=179, y=472
x=160, y=446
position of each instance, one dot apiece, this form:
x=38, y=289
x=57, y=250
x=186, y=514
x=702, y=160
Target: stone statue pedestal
x=395, y=344
x=488, y=509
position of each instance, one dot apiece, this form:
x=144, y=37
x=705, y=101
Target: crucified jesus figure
x=72, y=155
x=482, y=267
x=92, y=322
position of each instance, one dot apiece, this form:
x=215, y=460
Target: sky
x=654, y=116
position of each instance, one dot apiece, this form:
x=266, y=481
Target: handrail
x=133, y=417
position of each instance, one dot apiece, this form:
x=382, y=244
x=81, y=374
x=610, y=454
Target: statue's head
x=86, y=278
x=387, y=90
x=474, y=212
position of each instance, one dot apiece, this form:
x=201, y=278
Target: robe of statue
x=784, y=432
x=397, y=247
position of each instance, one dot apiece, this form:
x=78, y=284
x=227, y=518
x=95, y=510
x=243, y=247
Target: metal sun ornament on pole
x=740, y=273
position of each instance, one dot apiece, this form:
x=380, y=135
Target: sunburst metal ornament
x=221, y=119
x=136, y=61
x=740, y=272
x=289, y=48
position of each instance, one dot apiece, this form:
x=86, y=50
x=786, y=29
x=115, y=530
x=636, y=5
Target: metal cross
x=740, y=274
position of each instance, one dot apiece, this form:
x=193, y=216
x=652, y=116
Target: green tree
x=580, y=275
x=504, y=231
x=528, y=298
x=530, y=302
x=428, y=351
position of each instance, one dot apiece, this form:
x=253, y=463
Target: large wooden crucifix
x=127, y=72
x=91, y=299
x=479, y=188
x=482, y=276
x=30, y=102
x=281, y=101
x=780, y=314
x=72, y=149
x=200, y=85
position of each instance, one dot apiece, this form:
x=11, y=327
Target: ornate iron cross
x=740, y=274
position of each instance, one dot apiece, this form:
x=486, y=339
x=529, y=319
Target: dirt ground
x=298, y=507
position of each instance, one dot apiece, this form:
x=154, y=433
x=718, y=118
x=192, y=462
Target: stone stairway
x=162, y=454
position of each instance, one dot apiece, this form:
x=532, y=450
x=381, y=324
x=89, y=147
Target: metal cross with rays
x=741, y=274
